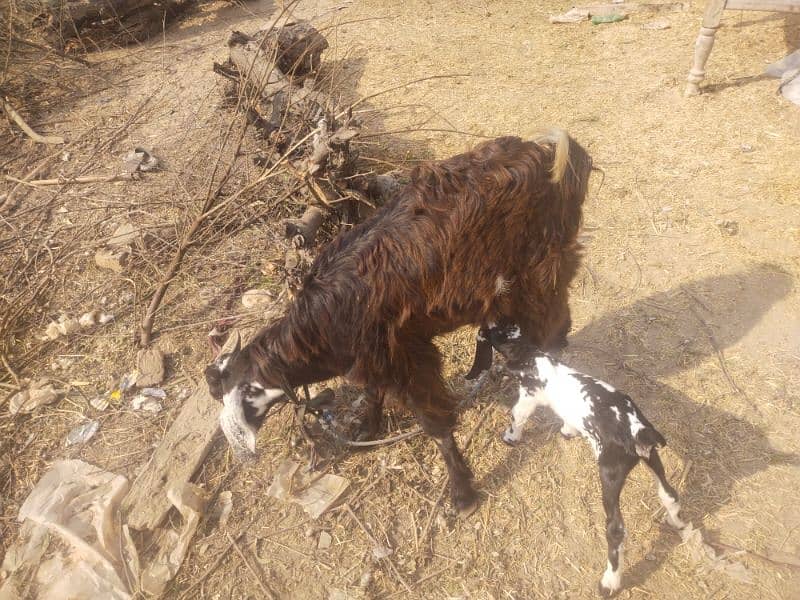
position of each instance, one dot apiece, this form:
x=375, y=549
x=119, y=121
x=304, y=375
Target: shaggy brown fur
x=426, y=264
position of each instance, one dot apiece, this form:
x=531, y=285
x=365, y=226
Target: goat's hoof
x=465, y=503
x=610, y=583
x=367, y=432
x=606, y=592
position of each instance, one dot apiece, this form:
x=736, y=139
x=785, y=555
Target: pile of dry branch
x=303, y=126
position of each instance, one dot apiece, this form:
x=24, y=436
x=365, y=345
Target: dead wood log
x=298, y=46
x=306, y=226
x=136, y=19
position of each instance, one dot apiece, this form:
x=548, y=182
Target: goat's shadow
x=666, y=327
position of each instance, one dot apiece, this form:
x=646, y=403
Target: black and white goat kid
x=618, y=432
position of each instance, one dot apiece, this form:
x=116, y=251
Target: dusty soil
x=700, y=326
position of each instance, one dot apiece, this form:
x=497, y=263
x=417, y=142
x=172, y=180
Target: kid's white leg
x=523, y=409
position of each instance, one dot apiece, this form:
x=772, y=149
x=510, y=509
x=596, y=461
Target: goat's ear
x=237, y=346
x=214, y=380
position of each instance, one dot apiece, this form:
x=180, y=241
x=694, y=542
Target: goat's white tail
x=560, y=141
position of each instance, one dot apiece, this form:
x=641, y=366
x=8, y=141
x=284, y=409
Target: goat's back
x=463, y=242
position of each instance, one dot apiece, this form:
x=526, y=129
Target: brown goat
x=482, y=237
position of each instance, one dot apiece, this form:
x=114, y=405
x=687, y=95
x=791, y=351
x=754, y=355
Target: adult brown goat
x=482, y=237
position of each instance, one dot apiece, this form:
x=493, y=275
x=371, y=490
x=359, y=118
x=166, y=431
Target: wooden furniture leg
x=703, y=45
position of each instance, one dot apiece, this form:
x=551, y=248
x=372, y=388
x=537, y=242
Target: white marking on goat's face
x=617, y=414
x=240, y=433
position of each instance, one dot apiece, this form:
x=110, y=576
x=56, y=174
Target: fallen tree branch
x=306, y=226
x=41, y=139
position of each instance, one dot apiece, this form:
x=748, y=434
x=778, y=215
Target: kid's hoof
x=466, y=503
x=606, y=592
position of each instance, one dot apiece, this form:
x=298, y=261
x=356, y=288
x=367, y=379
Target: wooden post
x=703, y=45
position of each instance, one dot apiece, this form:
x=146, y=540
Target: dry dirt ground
x=701, y=327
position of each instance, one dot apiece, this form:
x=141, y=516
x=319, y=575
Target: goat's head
x=508, y=340
x=235, y=380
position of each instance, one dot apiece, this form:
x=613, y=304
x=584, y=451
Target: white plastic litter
x=77, y=504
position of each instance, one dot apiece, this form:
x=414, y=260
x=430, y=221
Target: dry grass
x=665, y=300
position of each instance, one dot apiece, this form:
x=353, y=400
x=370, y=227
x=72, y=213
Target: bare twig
x=69, y=180
x=714, y=344
x=264, y=588
x=375, y=543
x=41, y=139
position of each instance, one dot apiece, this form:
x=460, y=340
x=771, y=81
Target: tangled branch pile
x=304, y=127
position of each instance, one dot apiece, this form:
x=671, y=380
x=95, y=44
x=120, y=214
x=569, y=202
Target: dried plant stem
x=264, y=588
x=68, y=180
x=41, y=139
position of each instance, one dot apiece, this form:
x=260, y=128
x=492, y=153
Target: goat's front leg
x=483, y=356
x=372, y=421
x=435, y=410
x=614, y=469
x=529, y=398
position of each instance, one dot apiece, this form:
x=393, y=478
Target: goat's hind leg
x=615, y=465
x=666, y=493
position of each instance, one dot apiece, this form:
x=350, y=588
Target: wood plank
x=183, y=449
x=792, y=6
x=177, y=457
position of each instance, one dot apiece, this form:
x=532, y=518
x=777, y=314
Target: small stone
x=105, y=318
x=19, y=401
x=88, y=319
x=365, y=580
x=650, y=556
x=38, y=394
x=256, y=298
x=746, y=148
x=124, y=235
x=292, y=260
x=67, y=325
x=113, y=259
x=150, y=365
x=324, y=541
x=658, y=25
x=380, y=551
x=53, y=331
x=225, y=508
x=727, y=227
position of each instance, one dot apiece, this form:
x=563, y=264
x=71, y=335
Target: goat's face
x=233, y=380
x=508, y=341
